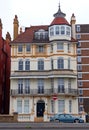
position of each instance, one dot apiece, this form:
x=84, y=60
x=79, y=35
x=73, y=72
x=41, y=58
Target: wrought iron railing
x=49, y=92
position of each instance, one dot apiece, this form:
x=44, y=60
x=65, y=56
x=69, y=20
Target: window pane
x=79, y=67
x=20, y=86
x=40, y=65
x=60, y=46
x=20, y=65
x=60, y=63
x=27, y=86
x=28, y=48
x=27, y=65
x=41, y=48
x=70, y=106
x=52, y=106
x=61, y=85
x=26, y=106
x=68, y=63
x=51, y=31
x=62, y=30
x=61, y=106
x=79, y=59
x=67, y=31
x=20, y=48
x=40, y=86
x=51, y=64
x=19, y=105
x=57, y=30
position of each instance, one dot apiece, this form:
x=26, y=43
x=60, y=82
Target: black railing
x=33, y=92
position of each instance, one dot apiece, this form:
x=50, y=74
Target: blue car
x=66, y=118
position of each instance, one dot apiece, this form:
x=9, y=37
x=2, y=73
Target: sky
x=40, y=12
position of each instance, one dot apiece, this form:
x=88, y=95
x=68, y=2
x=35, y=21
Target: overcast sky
x=40, y=12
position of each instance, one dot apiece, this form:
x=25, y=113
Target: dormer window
x=41, y=35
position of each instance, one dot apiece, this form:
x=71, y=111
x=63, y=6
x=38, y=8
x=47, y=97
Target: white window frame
x=28, y=48
x=78, y=36
x=60, y=63
x=80, y=92
x=20, y=65
x=79, y=75
x=81, y=100
x=79, y=59
x=60, y=46
x=80, y=83
x=51, y=31
x=79, y=44
x=68, y=31
x=20, y=48
x=40, y=64
x=26, y=106
x=78, y=28
x=27, y=65
x=57, y=30
x=62, y=30
x=52, y=106
x=79, y=67
x=61, y=106
x=79, y=51
x=19, y=105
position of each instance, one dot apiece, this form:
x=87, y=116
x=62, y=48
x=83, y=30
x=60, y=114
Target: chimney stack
x=8, y=37
x=16, y=26
x=73, y=29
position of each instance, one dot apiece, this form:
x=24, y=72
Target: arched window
x=40, y=65
x=62, y=30
x=60, y=63
x=20, y=66
x=27, y=65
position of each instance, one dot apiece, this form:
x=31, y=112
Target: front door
x=40, y=108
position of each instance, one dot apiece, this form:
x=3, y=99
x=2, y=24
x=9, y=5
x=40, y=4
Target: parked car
x=66, y=118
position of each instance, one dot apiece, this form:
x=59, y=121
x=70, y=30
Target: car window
x=68, y=116
x=56, y=116
x=61, y=116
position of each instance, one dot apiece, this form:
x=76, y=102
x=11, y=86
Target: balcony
x=44, y=74
x=44, y=92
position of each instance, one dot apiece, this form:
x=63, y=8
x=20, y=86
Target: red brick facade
x=84, y=79
x=4, y=72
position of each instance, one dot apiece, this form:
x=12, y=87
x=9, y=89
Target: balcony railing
x=46, y=92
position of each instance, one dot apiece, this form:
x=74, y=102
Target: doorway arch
x=40, y=108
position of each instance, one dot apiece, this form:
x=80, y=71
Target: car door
x=62, y=118
x=68, y=118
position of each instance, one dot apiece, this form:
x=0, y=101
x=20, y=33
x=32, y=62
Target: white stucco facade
x=43, y=80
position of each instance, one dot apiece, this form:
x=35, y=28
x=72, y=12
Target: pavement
x=44, y=125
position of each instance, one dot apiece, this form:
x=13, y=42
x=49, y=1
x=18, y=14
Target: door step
x=38, y=119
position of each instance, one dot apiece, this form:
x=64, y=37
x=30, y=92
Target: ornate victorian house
x=43, y=78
